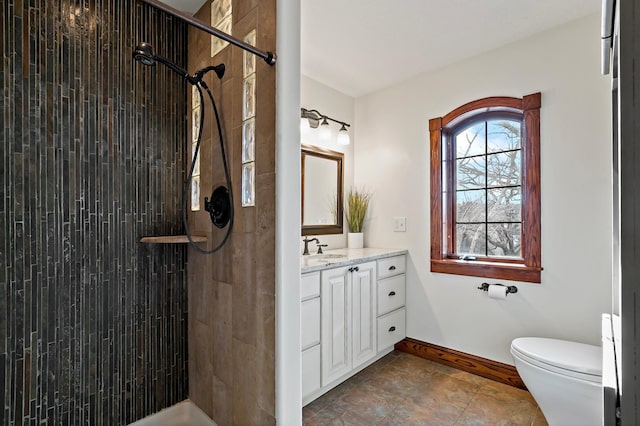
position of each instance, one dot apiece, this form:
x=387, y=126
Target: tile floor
x=403, y=389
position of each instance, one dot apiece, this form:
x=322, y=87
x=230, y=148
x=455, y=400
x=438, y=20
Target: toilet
x=565, y=379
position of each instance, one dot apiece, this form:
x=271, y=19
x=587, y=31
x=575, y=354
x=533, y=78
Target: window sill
x=496, y=270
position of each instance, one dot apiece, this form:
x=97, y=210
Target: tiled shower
x=96, y=327
x=93, y=324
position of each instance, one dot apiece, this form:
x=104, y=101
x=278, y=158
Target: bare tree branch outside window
x=488, y=189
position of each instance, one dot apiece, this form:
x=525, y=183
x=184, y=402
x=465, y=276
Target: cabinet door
x=363, y=286
x=336, y=299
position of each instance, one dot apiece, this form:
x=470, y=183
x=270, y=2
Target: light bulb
x=343, y=136
x=305, y=127
x=325, y=130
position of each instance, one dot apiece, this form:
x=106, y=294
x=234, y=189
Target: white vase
x=355, y=240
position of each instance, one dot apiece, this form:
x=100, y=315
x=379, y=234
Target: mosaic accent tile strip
x=195, y=129
x=221, y=18
x=249, y=123
x=92, y=323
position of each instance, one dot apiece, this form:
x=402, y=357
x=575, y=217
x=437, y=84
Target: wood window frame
x=529, y=267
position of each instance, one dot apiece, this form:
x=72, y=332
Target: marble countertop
x=342, y=257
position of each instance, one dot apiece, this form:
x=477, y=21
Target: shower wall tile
x=241, y=344
x=223, y=334
x=266, y=384
x=92, y=150
x=245, y=377
x=222, y=402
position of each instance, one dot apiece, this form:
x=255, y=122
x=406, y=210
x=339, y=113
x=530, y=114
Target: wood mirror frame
x=338, y=157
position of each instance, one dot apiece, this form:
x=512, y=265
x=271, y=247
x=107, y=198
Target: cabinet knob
x=392, y=328
x=392, y=268
x=392, y=293
x=357, y=268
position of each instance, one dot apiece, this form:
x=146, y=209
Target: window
x=485, y=189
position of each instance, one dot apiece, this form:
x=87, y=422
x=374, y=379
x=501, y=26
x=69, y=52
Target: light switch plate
x=399, y=224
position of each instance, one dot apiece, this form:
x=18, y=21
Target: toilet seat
x=572, y=359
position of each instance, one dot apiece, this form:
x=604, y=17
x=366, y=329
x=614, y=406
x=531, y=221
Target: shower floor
x=185, y=413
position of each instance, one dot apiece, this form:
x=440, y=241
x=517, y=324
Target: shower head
x=144, y=53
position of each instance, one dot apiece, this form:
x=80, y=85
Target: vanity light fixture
x=343, y=136
x=312, y=118
x=305, y=127
x=325, y=130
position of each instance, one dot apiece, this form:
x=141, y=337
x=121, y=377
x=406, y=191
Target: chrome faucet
x=306, y=244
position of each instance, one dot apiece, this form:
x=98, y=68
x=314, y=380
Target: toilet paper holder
x=510, y=288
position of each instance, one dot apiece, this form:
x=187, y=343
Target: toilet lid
x=572, y=356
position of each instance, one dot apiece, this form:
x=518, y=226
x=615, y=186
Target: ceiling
x=361, y=46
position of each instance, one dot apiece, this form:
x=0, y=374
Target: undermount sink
x=329, y=257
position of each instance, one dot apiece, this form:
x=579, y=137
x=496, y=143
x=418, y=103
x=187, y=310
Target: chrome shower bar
x=269, y=57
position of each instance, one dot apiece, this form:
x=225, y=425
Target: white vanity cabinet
x=352, y=313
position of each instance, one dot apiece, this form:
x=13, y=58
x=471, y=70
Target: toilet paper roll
x=497, y=292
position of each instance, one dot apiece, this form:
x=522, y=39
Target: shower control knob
x=219, y=207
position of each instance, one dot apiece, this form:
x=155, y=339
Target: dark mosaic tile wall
x=92, y=323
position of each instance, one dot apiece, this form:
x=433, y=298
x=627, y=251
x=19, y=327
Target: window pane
x=445, y=213
x=503, y=135
x=503, y=169
x=471, y=239
x=504, y=204
x=470, y=206
x=471, y=141
x=504, y=239
x=470, y=173
x=445, y=177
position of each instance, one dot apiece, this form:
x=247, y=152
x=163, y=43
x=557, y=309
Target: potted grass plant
x=356, y=207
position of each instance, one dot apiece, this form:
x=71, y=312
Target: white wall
x=315, y=95
x=392, y=157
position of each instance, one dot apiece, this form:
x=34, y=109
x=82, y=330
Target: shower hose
x=200, y=84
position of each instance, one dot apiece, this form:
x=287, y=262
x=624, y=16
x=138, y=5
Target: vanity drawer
x=391, y=329
x=391, y=294
x=309, y=323
x=310, y=285
x=310, y=370
x=391, y=266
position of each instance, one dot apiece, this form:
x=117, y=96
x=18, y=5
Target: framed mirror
x=322, y=190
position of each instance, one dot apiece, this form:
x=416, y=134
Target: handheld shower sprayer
x=220, y=207
x=198, y=75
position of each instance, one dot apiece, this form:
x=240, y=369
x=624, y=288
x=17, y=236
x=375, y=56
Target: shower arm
x=268, y=57
x=173, y=67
